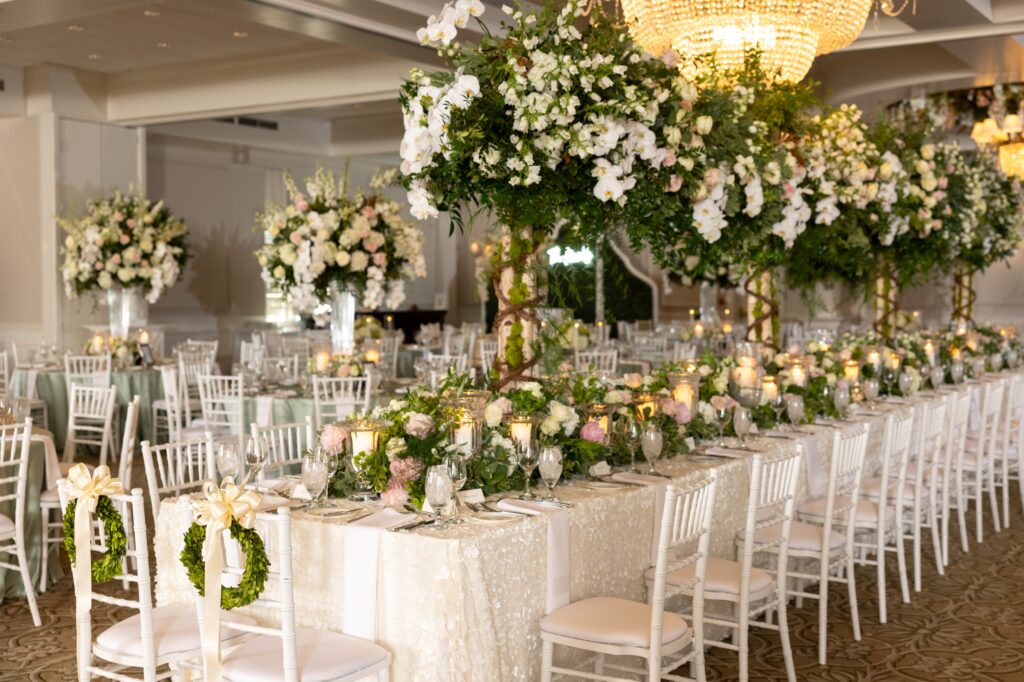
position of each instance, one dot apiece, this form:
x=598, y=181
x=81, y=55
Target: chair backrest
x=5, y=376
x=250, y=353
x=934, y=414
x=191, y=366
x=172, y=401
x=295, y=344
x=683, y=351
x=1013, y=415
x=388, y=346
x=844, y=476
x=335, y=398
x=958, y=424
x=685, y=539
x=174, y=469
x=603, y=361
x=207, y=347
x=222, y=398
x=26, y=352
x=286, y=444
x=773, y=482
x=14, y=452
x=895, y=456
x=135, y=569
x=87, y=370
x=991, y=408
x=128, y=440
x=488, y=351
x=287, y=366
x=90, y=416
x=454, y=342
x=460, y=361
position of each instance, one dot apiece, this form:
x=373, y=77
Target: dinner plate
x=491, y=517
x=603, y=485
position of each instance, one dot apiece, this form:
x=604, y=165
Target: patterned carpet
x=965, y=626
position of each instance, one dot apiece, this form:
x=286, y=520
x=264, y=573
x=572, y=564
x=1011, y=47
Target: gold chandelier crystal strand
x=843, y=22
x=1011, y=159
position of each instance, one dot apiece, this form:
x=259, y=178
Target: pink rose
x=136, y=256
x=131, y=223
x=302, y=206
x=943, y=182
x=380, y=259
x=395, y=495
x=679, y=411
x=125, y=239
x=723, y=402
x=634, y=380
x=116, y=258
x=117, y=217
x=418, y=425
x=370, y=246
x=295, y=238
x=99, y=266
x=332, y=439
x=686, y=105
x=713, y=176
x=674, y=183
x=343, y=371
x=670, y=158
x=593, y=432
x=368, y=212
x=787, y=190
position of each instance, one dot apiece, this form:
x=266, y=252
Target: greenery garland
x=254, y=578
x=109, y=566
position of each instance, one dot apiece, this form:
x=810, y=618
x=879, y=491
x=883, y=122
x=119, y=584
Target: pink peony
x=369, y=246
x=723, y=402
x=787, y=190
x=380, y=259
x=679, y=411
x=405, y=469
x=131, y=223
x=395, y=495
x=670, y=159
x=116, y=258
x=332, y=439
x=943, y=182
x=593, y=432
x=295, y=238
x=418, y=425
x=99, y=266
x=125, y=239
x=675, y=183
x=368, y=212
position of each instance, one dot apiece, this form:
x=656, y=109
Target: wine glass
x=227, y=460
x=314, y=477
x=456, y=466
x=778, y=405
x=631, y=437
x=527, y=455
x=938, y=377
x=956, y=371
x=795, y=409
x=651, y=442
x=870, y=388
x=722, y=416
x=841, y=399
x=255, y=458
x=906, y=384
x=438, y=488
x=741, y=422
x=331, y=463
x=550, y=465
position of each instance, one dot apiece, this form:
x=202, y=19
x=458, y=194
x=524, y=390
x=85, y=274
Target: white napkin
x=660, y=486
x=600, y=469
x=30, y=384
x=559, y=577
x=299, y=492
x=53, y=470
x=362, y=546
x=817, y=472
x=264, y=410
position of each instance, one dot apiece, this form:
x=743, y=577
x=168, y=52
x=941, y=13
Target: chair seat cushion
x=866, y=514
x=722, y=576
x=6, y=526
x=610, y=620
x=913, y=468
x=803, y=537
x=175, y=632
x=870, y=488
x=320, y=655
x=49, y=498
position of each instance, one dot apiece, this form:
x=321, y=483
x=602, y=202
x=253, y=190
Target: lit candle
x=851, y=370
x=599, y=414
x=929, y=351
x=893, y=360
x=520, y=428
x=463, y=436
x=646, y=405
x=144, y=338
x=323, y=361
x=372, y=355
x=389, y=322
x=745, y=377
x=698, y=330
x=874, y=359
x=726, y=328
x=683, y=393
x=770, y=389
x=363, y=436
x=97, y=344
x=797, y=375
x=954, y=352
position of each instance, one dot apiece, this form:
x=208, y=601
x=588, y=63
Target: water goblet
x=314, y=477
x=651, y=442
x=631, y=437
x=795, y=409
x=841, y=399
x=438, y=489
x=937, y=376
x=906, y=384
x=870, y=387
x=227, y=460
x=550, y=465
x=527, y=455
x=741, y=423
x=778, y=405
x=332, y=464
x=457, y=472
x=255, y=458
x=956, y=371
x=722, y=416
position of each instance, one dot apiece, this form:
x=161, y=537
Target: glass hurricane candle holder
x=685, y=388
x=600, y=414
x=797, y=372
x=466, y=430
x=363, y=440
x=646, y=405
x=520, y=429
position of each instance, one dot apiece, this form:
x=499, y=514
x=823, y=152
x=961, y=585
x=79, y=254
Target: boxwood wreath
x=109, y=566
x=254, y=577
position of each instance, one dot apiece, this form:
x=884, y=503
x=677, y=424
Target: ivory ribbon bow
x=216, y=512
x=87, y=489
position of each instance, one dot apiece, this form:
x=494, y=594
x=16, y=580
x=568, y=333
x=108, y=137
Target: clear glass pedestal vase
x=343, y=319
x=128, y=309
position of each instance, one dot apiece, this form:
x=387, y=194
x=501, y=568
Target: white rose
x=359, y=261
x=559, y=411
x=613, y=397
x=493, y=414
x=342, y=258
x=928, y=152
x=105, y=280
x=550, y=426
x=279, y=272
x=704, y=124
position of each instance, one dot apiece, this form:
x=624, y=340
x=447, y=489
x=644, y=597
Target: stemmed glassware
x=226, y=460
x=956, y=371
x=629, y=431
x=870, y=388
x=722, y=416
x=841, y=399
x=741, y=423
x=527, y=456
x=332, y=464
x=439, y=489
x=651, y=442
x=906, y=384
x=937, y=377
x=315, y=475
x=778, y=405
x=256, y=458
x=455, y=464
x=795, y=409
x=550, y=465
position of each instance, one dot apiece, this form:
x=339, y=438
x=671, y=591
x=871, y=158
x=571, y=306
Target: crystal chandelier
x=1011, y=159
x=788, y=33
x=1007, y=138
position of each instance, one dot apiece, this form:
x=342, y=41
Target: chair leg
x=822, y=610
x=45, y=547
x=851, y=585
x=743, y=643
x=993, y=502
x=933, y=526
x=880, y=565
x=901, y=560
x=787, y=649
x=979, y=501
x=961, y=514
x=26, y=581
x=1006, y=490
x=599, y=664
x=545, y=666
x=917, y=547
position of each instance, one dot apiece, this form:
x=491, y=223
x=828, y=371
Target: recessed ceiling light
x=240, y=34
x=95, y=57
x=76, y=27
x=152, y=13
x=163, y=44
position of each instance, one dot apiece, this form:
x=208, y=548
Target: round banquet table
x=43, y=472
x=51, y=388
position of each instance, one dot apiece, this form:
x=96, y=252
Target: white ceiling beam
x=935, y=36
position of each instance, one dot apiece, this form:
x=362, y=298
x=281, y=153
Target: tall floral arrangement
x=123, y=240
x=326, y=237
x=551, y=122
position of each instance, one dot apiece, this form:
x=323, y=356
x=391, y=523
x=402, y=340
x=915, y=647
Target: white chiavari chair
x=622, y=627
x=37, y=408
x=286, y=367
x=469, y=334
x=27, y=353
x=155, y=637
x=752, y=591
x=834, y=558
x=287, y=652
x=651, y=348
x=222, y=398
x=191, y=366
x=601, y=361
x=877, y=520
x=90, y=420
x=272, y=342
x=335, y=398
x=977, y=471
x=295, y=344
x=166, y=413
x=87, y=370
x=950, y=476
x=175, y=469
x=5, y=376
x=1008, y=467
x=388, y=349
x=207, y=347
x=250, y=353
x=286, y=445
x=454, y=342
x=14, y=454
x=488, y=351
x=683, y=351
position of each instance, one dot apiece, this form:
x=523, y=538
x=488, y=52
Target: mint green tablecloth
x=10, y=581
x=285, y=410
x=52, y=389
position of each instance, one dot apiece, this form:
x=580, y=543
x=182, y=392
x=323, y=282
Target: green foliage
x=254, y=577
x=108, y=566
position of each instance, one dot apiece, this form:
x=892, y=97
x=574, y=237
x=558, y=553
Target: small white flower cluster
x=323, y=236
x=441, y=29
x=126, y=241
x=928, y=184
x=560, y=417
